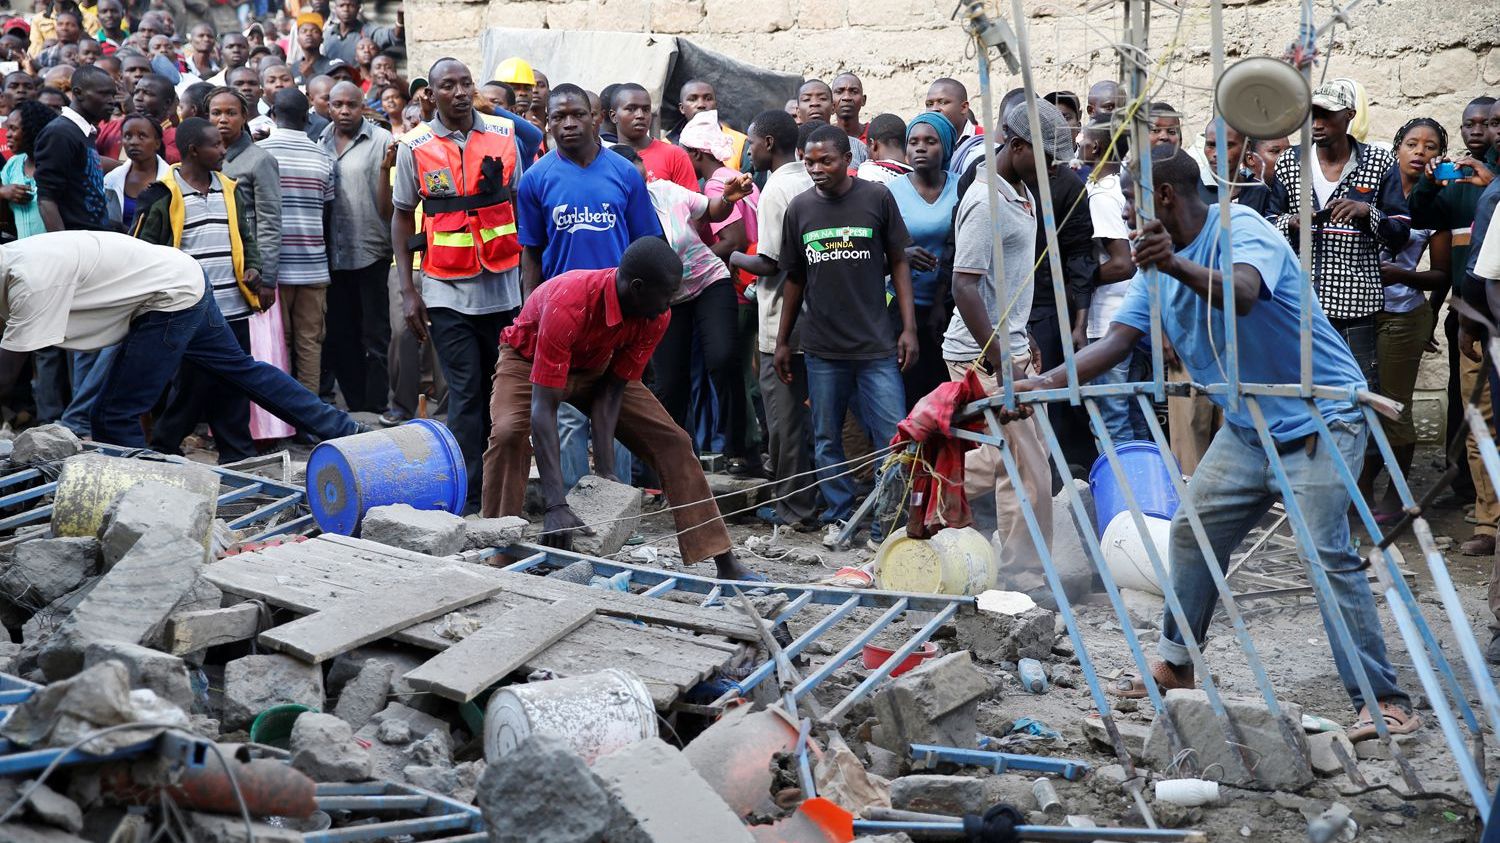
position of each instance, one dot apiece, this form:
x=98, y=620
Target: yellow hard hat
x=515, y=71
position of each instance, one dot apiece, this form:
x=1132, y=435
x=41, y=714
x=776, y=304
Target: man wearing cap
x=462, y=167
x=19, y=28
x=342, y=34
x=310, y=42
x=1353, y=218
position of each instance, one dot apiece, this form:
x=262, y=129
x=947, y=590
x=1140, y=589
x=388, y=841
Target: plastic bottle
x=1033, y=676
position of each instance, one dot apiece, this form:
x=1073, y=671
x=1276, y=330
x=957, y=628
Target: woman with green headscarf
x=927, y=197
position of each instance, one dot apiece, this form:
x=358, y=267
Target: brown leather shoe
x=1479, y=545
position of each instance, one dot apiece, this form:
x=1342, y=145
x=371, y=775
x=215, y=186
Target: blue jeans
x=1232, y=489
x=49, y=384
x=875, y=390
x=1115, y=409
x=573, y=443
x=159, y=342
x=89, y=370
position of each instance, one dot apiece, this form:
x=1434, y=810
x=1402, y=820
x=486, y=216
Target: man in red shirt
x=630, y=109
x=585, y=337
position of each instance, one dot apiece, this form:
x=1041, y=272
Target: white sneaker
x=831, y=535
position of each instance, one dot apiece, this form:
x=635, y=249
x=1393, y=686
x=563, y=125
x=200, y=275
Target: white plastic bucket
x=954, y=561
x=1125, y=551
x=596, y=714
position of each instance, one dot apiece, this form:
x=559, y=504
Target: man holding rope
x=585, y=338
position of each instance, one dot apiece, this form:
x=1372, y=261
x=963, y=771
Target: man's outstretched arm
x=546, y=446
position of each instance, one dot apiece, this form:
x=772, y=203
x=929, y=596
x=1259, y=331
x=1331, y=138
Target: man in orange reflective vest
x=461, y=166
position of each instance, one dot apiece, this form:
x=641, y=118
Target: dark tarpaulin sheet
x=744, y=90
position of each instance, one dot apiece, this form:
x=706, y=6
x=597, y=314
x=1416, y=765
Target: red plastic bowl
x=875, y=656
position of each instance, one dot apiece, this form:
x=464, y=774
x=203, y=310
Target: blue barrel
x=417, y=463
x=1145, y=471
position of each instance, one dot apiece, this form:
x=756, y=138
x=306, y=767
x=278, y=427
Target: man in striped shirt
x=306, y=196
x=194, y=209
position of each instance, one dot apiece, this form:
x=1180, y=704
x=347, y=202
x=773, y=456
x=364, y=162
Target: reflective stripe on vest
x=459, y=239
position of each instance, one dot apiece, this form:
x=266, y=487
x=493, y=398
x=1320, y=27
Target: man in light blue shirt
x=1233, y=485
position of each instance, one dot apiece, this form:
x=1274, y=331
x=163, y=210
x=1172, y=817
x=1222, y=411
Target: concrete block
x=494, y=532
x=1144, y=608
x=461, y=781
x=1276, y=767
x=934, y=704
x=130, y=603
x=53, y=808
x=735, y=494
x=544, y=793
x=1133, y=734
x=154, y=507
x=223, y=828
x=47, y=443
x=46, y=569
x=253, y=684
x=1321, y=754
x=680, y=16
x=612, y=509
x=391, y=733
x=324, y=748
x=996, y=637
x=427, y=531
x=1074, y=565
x=164, y=674
x=365, y=695
x=951, y=795
x=662, y=799
x=204, y=596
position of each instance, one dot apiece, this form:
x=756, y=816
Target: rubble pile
x=136, y=641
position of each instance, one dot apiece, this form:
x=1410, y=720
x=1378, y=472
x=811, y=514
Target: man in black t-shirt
x=839, y=242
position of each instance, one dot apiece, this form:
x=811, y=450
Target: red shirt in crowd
x=665, y=161
x=573, y=323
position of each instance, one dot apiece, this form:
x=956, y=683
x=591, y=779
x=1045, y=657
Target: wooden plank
x=351, y=623
x=501, y=646
x=189, y=632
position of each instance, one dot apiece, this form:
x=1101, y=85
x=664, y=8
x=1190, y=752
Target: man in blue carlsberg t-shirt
x=1233, y=486
x=578, y=208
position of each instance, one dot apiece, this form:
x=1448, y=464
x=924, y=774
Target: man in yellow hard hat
x=517, y=73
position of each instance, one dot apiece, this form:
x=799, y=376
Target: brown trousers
x=303, y=311
x=644, y=428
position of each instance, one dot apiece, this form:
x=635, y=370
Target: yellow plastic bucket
x=90, y=483
x=955, y=561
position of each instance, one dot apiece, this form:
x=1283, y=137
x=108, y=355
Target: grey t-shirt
x=973, y=253
x=487, y=292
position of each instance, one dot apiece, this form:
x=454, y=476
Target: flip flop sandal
x=1130, y=686
x=1397, y=722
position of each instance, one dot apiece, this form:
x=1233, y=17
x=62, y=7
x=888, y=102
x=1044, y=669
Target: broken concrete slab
x=460, y=781
x=154, y=506
x=1276, y=765
x=930, y=794
x=1321, y=753
x=253, y=684
x=1074, y=565
x=1133, y=734
x=129, y=603
x=933, y=704
x=999, y=637
x=494, y=532
x=43, y=570
x=165, y=675
x=52, y=808
x=324, y=748
x=195, y=631
x=1143, y=607
x=544, y=793
x=46, y=443
x=390, y=734
x=365, y=695
x=427, y=531
x=662, y=799
x=222, y=828
x=612, y=510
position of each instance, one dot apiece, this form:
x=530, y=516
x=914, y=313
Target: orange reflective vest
x=468, y=218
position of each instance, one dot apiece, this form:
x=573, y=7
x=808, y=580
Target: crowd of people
x=551, y=273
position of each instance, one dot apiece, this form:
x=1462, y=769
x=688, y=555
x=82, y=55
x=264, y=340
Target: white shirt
x=80, y=289
x=78, y=120
x=114, y=184
x=782, y=187
x=973, y=253
x=1322, y=187
x=1487, y=265
x=1106, y=209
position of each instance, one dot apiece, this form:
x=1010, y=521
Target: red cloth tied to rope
x=937, y=484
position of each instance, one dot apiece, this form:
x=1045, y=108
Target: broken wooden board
x=314, y=575
x=189, y=632
x=352, y=623
x=502, y=646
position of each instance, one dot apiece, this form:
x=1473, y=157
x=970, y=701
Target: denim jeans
x=89, y=369
x=1231, y=490
x=875, y=390
x=1116, y=409
x=158, y=343
x=573, y=442
x=49, y=384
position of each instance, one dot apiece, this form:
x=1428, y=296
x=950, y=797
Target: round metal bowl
x=1263, y=98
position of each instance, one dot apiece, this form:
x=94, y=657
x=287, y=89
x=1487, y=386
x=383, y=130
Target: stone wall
x=1414, y=57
